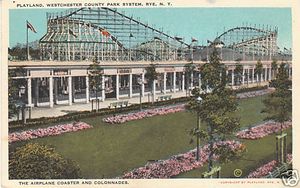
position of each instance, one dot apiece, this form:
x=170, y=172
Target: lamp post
x=198, y=100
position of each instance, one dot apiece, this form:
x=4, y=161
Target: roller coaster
x=109, y=35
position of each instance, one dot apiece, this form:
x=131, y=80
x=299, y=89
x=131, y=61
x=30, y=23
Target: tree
x=34, y=161
x=278, y=105
x=274, y=68
x=13, y=89
x=218, y=106
x=188, y=70
x=20, y=53
x=95, y=79
x=151, y=76
x=238, y=71
x=258, y=70
x=12, y=93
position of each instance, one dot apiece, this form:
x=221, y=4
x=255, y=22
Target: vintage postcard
x=149, y=93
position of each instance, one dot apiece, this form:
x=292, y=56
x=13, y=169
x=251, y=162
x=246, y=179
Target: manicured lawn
x=258, y=153
x=109, y=150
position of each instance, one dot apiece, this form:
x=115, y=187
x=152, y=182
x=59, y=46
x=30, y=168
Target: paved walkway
x=62, y=109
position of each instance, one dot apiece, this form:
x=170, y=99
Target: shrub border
x=75, y=116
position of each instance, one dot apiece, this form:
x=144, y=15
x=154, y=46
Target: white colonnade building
x=51, y=83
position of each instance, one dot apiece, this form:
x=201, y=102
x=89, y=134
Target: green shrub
x=249, y=89
x=34, y=161
x=15, y=125
x=75, y=116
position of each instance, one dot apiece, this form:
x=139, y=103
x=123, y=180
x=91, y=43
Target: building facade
x=125, y=46
x=52, y=83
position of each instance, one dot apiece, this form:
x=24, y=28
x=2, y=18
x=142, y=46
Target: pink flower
x=263, y=130
x=122, y=118
x=267, y=168
x=177, y=164
x=49, y=131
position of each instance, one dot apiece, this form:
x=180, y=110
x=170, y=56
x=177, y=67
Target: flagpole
x=27, y=40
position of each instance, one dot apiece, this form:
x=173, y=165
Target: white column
x=29, y=98
x=261, y=77
x=183, y=81
x=253, y=76
x=154, y=90
x=266, y=73
x=37, y=80
x=103, y=88
x=248, y=72
x=174, y=82
x=130, y=85
x=73, y=89
x=165, y=82
x=117, y=87
x=192, y=78
x=143, y=84
x=226, y=77
x=270, y=74
x=51, y=92
x=70, y=89
x=55, y=80
x=243, y=77
x=232, y=77
x=87, y=89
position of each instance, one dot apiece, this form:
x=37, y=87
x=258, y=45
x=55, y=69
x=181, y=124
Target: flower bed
x=248, y=89
x=15, y=125
x=179, y=163
x=266, y=168
x=262, y=130
x=143, y=114
x=49, y=131
x=253, y=93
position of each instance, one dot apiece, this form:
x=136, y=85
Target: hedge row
x=75, y=116
x=249, y=89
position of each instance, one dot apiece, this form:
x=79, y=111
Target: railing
x=278, y=171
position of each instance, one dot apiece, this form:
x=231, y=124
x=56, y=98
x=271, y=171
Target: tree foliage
x=218, y=106
x=13, y=89
x=34, y=161
x=20, y=53
x=151, y=76
x=213, y=74
x=258, y=70
x=228, y=155
x=189, y=69
x=274, y=67
x=238, y=71
x=95, y=79
x=278, y=105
